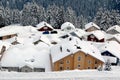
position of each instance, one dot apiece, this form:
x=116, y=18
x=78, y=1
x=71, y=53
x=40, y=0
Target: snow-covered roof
x=112, y=59
x=70, y=45
x=116, y=36
x=112, y=47
x=78, y=32
x=91, y=24
x=20, y=55
x=115, y=27
x=16, y=29
x=98, y=34
x=67, y=25
x=42, y=24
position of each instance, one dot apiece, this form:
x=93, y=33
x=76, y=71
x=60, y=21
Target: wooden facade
x=79, y=60
x=91, y=37
x=92, y=28
x=7, y=36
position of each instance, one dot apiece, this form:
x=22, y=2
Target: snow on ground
x=64, y=75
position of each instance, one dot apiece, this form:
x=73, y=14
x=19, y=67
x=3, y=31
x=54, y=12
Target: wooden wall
x=85, y=62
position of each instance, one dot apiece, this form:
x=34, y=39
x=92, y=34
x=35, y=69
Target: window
x=61, y=62
x=67, y=68
x=45, y=28
x=9, y=36
x=95, y=67
x=78, y=65
x=89, y=61
x=67, y=61
x=95, y=62
x=69, y=28
x=0, y=38
x=88, y=67
x=61, y=68
x=79, y=58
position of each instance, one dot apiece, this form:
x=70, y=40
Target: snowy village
x=45, y=49
x=59, y=40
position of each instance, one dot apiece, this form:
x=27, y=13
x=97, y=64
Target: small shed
x=96, y=36
x=113, y=30
x=67, y=26
x=44, y=26
x=91, y=27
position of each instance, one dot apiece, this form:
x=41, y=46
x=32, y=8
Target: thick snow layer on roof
x=15, y=29
x=21, y=55
x=69, y=47
x=91, y=24
x=67, y=25
x=53, y=37
x=117, y=36
x=42, y=24
x=78, y=32
x=112, y=47
x=98, y=34
x=116, y=27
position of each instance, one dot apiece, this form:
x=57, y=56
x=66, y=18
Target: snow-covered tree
x=32, y=14
x=52, y=12
x=81, y=21
x=106, y=18
x=60, y=17
x=107, y=65
x=70, y=15
x=7, y=16
x=2, y=21
x=16, y=16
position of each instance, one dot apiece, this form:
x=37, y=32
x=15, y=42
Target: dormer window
x=68, y=50
x=92, y=36
x=69, y=28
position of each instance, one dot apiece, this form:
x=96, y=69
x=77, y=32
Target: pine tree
x=70, y=15
x=106, y=18
x=8, y=15
x=16, y=16
x=32, y=14
x=81, y=21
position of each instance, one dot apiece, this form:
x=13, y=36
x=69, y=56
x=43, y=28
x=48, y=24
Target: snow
x=26, y=53
x=78, y=32
x=112, y=59
x=57, y=54
x=116, y=27
x=112, y=47
x=21, y=55
x=15, y=29
x=67, y=25
x=64, y=75
x=117, y=36
x=91, y=24
x=98, y=34
x=42, y=24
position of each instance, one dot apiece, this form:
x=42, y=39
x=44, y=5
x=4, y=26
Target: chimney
x=61, y=48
